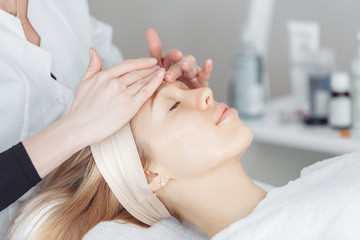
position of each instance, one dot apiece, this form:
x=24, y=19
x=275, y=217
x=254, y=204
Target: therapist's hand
x=103, y=103
x=106, y=100
x=179, y=67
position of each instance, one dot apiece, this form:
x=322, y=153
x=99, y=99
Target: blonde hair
x=83, y=199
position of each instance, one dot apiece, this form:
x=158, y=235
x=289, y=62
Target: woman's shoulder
x=165, y=229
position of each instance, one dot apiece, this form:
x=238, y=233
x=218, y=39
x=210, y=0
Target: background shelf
x=272, y=129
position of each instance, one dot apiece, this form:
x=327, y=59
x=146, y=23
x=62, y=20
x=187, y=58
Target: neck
x=9, y=2
x=9, y=5
x=215, y=200
x=15, y=7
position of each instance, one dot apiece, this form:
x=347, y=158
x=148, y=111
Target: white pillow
x=165, y=229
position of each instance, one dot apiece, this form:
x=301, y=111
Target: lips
x=220, y=110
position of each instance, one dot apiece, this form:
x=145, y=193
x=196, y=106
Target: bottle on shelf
x=355, y=70
x=340, y=103
x=247, y=88
x=321, y=64
x=304, y=39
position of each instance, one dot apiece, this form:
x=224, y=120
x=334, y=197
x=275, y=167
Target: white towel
x=324, y=203
x=165, y=229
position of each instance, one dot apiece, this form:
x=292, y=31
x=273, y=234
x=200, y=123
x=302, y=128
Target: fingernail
x=153, y=60
x=160, y=73
x=157, y=67
x=169, y=76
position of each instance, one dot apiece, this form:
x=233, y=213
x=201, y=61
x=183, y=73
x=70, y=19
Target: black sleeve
x=17, y=175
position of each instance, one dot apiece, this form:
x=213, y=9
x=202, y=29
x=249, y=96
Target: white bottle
x=340, y=102
x=355, y=70
x=304, y=38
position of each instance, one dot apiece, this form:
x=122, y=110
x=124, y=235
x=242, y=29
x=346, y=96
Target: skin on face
x=180, y=127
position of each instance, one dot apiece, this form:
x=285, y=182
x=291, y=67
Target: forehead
x=163, y=85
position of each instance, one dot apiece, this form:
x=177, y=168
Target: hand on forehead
x=178, y=66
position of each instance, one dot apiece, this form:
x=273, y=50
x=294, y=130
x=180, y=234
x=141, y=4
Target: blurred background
x=210, y=29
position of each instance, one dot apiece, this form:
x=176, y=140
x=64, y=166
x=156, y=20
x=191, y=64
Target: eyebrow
x=153, y=97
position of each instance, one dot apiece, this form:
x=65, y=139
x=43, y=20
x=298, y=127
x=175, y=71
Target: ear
x=155, y=180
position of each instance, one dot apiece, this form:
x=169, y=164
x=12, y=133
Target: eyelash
x=174, y=106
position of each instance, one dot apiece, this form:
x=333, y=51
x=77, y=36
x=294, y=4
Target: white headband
x=119, y=163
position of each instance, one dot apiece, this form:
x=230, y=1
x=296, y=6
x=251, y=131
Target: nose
x=205, y=98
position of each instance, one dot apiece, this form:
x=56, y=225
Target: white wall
x=209, y=29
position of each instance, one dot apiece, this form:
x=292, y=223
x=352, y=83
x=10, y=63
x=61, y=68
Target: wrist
x=79, y=130
x=74, y=131
x=53, y=145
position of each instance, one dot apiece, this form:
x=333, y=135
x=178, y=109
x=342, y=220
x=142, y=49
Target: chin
x=242, y=131
x=245, y=141
x=241, y=139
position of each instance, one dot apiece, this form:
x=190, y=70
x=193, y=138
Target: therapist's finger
x=189, y=70
x=135, y=87
x=127, y=66
x=205, y=72
x=134, y=76
x=176, y=70
x=173, y=73
x=148, y=90
x=95, y=64
x=154, y=45
x=202, y=80
x=173, y=56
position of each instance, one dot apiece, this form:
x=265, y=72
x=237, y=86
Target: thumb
x=95, y=64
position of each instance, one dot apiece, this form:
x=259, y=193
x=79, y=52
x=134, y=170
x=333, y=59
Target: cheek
x=185, y=145
x=192, y=146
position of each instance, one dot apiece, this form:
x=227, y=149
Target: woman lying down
x=179, y=157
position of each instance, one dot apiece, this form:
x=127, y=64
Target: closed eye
x=174, y=106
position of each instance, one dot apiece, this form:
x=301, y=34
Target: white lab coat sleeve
x=102, y=42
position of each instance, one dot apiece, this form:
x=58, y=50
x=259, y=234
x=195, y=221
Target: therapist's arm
x=17, y=174
x=54, y=144
x=49, y=148
x=103, y=103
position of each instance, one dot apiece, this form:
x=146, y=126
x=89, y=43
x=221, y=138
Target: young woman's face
x=188, y=132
